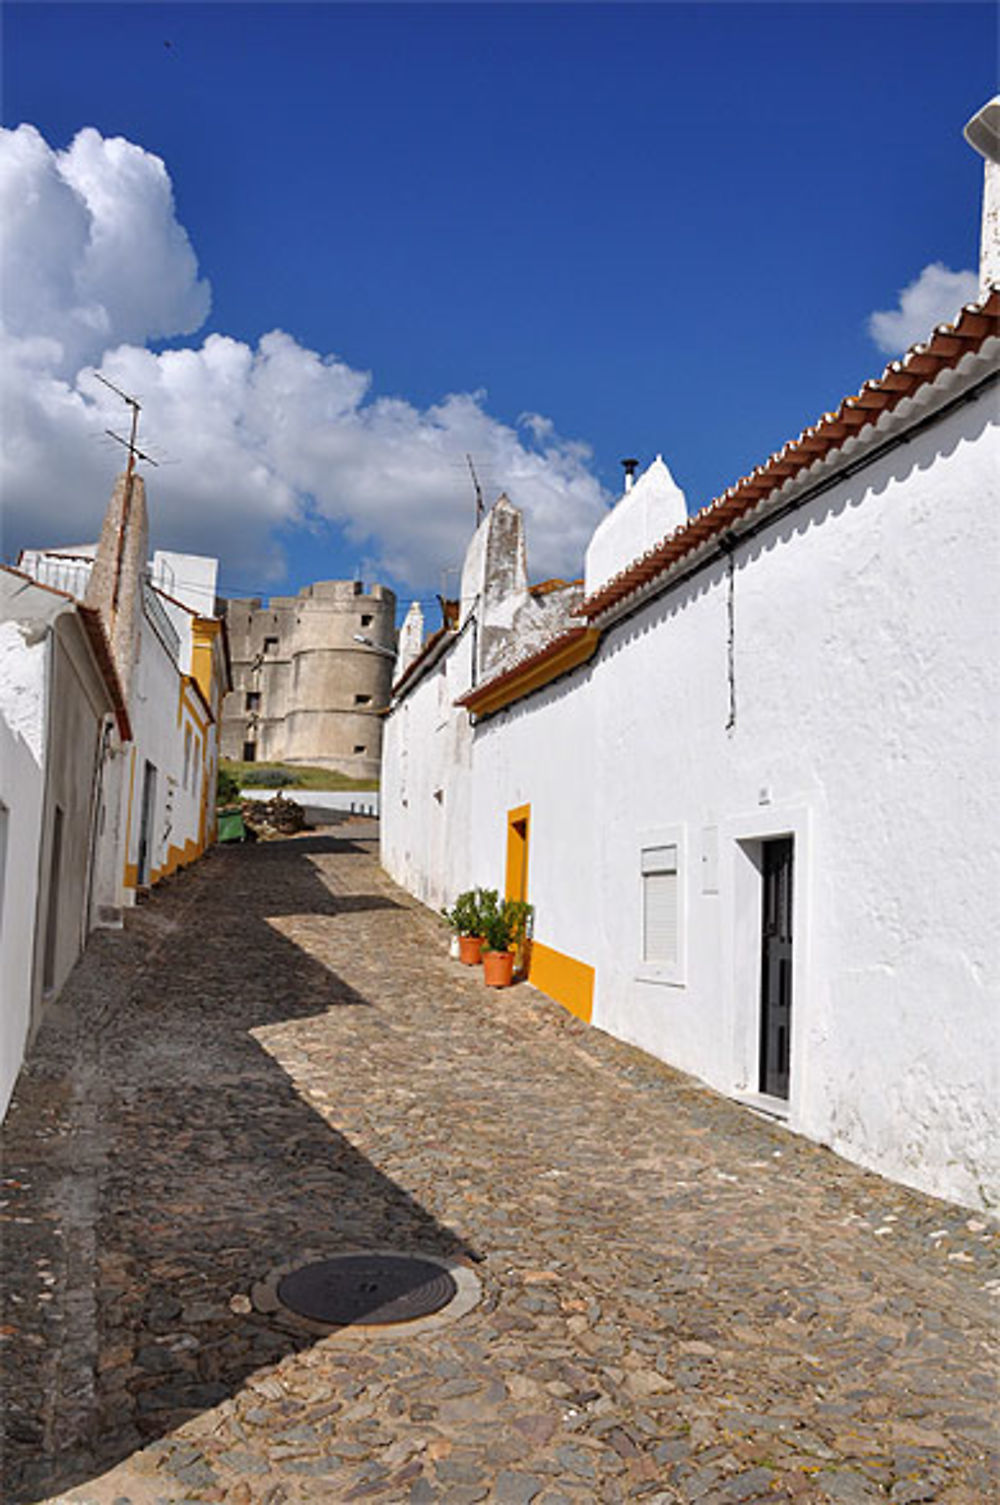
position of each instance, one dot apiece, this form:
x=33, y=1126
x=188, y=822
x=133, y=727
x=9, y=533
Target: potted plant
x=503, y=928
x=467, y=918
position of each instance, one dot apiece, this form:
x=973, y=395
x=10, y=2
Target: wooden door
x=776, y=968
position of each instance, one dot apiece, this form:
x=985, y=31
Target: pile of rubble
x=278, y=817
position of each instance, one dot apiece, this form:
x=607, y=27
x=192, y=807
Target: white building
x=61, y=710
x=171, y=654
x=752, y=793
x=110, y=697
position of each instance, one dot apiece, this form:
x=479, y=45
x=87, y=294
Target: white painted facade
x=56, y=723
x=23, y=676
x=647, y=512
x=159, y=789
x=860, y=719
x=109, y=712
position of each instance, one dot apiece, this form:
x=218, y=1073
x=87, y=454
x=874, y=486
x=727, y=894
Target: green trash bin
x=231, y=827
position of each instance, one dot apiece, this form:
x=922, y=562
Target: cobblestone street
x=681, y=1301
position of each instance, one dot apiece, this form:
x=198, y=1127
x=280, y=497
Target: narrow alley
x=675, y=1299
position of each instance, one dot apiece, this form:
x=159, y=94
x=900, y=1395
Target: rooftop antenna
x=480, y=509
x=134, y=453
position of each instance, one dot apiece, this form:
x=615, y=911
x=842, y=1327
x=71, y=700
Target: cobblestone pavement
x=680, y=1301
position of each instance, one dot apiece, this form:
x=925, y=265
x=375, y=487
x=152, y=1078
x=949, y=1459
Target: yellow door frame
x=518, y=838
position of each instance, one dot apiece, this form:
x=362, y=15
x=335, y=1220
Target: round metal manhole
x=367, y=1290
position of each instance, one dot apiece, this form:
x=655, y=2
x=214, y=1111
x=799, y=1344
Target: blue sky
x=650, y=228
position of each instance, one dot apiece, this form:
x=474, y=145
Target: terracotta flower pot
x=498, y=968
x=470, y=949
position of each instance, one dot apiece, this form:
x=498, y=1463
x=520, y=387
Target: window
x=253, y=699
x=661, y=906
x=362, y=700
x=187, y=756
x=249, y=752
x=358, y=748
x=270, y=645
x=366, y=619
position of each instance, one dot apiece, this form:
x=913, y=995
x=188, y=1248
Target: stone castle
x=311, y=677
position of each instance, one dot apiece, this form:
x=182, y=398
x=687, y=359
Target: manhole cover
x=368, y=1289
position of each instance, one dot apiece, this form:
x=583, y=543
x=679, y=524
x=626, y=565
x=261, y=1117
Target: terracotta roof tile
x=902, y=378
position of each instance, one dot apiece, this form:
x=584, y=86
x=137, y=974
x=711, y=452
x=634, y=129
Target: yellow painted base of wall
x=177, y=857
x=563, y=979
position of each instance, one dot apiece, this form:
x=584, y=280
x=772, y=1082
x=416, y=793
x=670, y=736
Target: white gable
x=643, y=516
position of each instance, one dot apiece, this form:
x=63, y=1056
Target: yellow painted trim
x=197, y=709
x=518, y=683
x=178, y=857
x=562, y=978
x=131, y=868
x=204, y=631
x=516, y=877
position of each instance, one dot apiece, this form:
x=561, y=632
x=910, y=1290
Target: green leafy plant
x=471, y=910
x=227, y=788
x=268, y=778
x=507, y=925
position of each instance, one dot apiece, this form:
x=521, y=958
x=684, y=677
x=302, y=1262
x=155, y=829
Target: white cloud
x=264, y=436
x=934, y=297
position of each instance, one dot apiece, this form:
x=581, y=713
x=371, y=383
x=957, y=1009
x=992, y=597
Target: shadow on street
x=158, y=1162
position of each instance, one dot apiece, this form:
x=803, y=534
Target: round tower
x=342, y=649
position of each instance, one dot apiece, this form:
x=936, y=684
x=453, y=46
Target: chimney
x=630, y=467
x=983, y=135
x=115, y=585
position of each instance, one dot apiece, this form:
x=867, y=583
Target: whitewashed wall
x=866, y=680
x=426, y=841
x=23, y=678
x=158, y=729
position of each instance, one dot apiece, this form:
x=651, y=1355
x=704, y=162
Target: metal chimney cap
x=983, y=130
x=630, y=467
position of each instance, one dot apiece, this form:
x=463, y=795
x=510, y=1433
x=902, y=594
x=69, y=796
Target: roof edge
x=902, y=378
x=561, y=654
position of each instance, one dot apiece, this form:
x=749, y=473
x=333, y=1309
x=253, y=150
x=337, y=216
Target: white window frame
x=668, y=973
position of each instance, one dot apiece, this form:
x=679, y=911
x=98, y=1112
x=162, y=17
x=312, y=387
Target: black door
x=146, y=825
x=776, y=969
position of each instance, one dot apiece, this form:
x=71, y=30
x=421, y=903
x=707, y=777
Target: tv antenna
x=134, y=453
x=480, y=509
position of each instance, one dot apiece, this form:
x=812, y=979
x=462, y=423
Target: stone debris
x=279, y=816
x=275, y=1062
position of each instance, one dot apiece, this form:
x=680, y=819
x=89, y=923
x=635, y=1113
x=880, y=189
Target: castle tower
x=312, y=675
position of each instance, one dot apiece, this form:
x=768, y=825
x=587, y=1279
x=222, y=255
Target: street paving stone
x=275, y=1062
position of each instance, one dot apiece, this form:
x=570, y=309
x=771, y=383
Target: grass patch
x=301, y=777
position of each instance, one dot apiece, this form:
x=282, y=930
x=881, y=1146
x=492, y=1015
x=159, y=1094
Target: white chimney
x=983, y=135
x=630, y=467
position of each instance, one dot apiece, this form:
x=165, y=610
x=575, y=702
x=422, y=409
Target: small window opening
x=253, y=700
x=270, y=645
x=358, y=748
x=659, y=904
x=362, y=700
x=249, y=752
x=366, y=619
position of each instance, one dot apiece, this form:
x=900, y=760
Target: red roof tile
x=902, y=378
